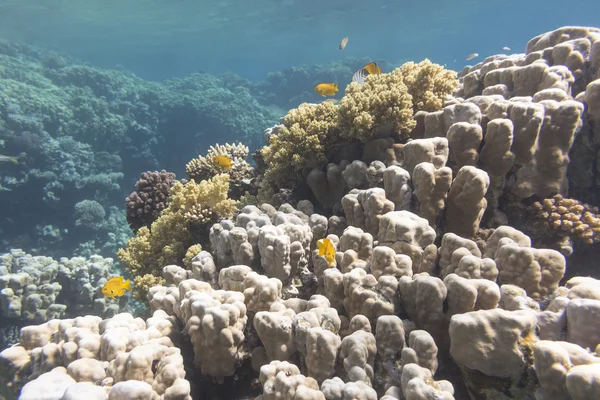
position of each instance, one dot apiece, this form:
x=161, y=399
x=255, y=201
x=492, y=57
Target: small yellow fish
x=326, y=89
x=11, y=159
x=223, y=162
x=369, y=69
x=506, y=48
x=332, y=101
x=343, y=43
x=472, y=56
x=326, y=249
x=116, y=287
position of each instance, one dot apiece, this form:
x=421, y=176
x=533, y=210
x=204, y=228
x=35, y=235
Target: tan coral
x=299, y=144
x=143, y=283
x=382, y=104
x=192, y=208
x=428, y=84
x=566, y=217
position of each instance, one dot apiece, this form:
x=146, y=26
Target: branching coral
x=149, y=199
x=428, y=84
x=382, y=104
x=191, y=252
x=240, y=174
x=300, y=143
x=204, y=202
x=565, y=217
x=166, y=242
x=193, y=207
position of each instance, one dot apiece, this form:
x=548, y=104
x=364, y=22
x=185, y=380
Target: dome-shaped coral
x=149, y=199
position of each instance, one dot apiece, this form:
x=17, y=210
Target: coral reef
x=241, y=174
x=299, y=143
x=380, y=106
x=313, y=135
x=562, y=217
x=82, y=132
x=35, y=289
x=122, y=357
x=192, y=208
x=438, y=289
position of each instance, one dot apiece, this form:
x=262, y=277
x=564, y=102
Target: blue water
x=158, y=39
x=94, y=93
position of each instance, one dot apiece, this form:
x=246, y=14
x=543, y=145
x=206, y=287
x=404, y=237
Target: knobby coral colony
x=427, y=269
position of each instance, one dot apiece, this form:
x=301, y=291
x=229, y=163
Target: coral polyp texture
x=568, y=218
x=149, y=199
x=444, y=284
x=37, y=288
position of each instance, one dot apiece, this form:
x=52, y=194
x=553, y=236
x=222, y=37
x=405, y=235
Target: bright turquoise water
x=158, y=39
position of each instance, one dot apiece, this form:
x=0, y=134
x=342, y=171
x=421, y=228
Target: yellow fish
x=343, y=43
x=327, y=250
x=116, y=287
x=369, y=69
x=326, y=89
x=223, y=162
x=472, y=56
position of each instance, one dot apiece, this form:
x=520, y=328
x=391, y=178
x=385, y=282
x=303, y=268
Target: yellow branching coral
x=381, y=104
x=204, y=202
x=428, y=84
x=300, y=142
x=567, y=217
x=191, y=253
x=151, y=249
x=193, y=207
x=143, y=283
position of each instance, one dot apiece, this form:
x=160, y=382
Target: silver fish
x=11, y=159
x=343, y=43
